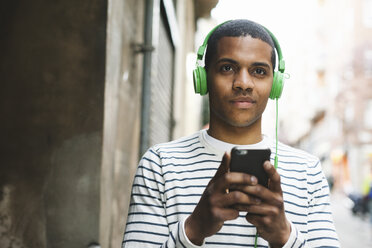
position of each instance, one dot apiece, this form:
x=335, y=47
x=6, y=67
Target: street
x=353, y=231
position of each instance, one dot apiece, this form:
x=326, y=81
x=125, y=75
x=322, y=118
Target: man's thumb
x=225, y=165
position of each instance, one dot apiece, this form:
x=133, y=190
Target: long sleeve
x=321, y=231
x=147, y=224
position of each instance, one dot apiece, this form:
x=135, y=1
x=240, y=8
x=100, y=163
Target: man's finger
x=224, y=167
x=274, y=177
x=225, y=214
x=213, y=184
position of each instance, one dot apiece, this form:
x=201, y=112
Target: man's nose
x=243, y=81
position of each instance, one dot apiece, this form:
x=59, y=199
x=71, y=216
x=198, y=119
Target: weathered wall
x=123, y=104
x=122, y=113
x=51, y=104
x=70, y=102
x=187, y=105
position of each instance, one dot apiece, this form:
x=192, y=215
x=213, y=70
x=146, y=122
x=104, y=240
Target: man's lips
x=243, y=102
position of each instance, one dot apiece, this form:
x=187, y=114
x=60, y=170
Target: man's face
x=240, y=77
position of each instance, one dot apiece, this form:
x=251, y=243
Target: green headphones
x=200, y=74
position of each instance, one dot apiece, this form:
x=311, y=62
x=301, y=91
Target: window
x=368, y=115
x=367, y=13
x=367, y=63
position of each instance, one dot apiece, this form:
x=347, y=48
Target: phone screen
x=250, y=161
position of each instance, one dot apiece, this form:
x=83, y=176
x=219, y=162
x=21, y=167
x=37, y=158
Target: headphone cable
x=276, y=136
x=276, y=154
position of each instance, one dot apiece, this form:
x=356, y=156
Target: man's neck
x=236, y=135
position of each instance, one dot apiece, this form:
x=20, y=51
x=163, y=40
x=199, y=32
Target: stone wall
x=125, y=30
x=52, y=71
x=70, y=102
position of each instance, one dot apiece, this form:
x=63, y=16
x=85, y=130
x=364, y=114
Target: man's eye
x=259, y=71
x=226, y=68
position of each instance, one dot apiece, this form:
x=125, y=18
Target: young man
x=180, y=195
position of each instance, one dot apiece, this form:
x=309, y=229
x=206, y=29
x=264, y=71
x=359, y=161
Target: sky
x=273, y=14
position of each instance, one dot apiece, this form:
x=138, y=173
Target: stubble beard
x=232, y=123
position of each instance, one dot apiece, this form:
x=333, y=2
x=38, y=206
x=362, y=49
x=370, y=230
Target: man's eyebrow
x=223, y=60
x=261, y=64
x=227, y=60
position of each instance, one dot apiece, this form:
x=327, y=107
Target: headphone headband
x=202, y=48
x=281, y=65
x=281, y=62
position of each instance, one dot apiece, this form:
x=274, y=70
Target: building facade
x=339, y=116
x=86, y=87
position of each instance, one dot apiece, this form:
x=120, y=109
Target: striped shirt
x=171, y=178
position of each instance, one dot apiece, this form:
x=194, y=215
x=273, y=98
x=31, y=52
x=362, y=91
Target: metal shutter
x=162, y=86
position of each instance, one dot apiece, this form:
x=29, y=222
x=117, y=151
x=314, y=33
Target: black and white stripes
x=171, y=178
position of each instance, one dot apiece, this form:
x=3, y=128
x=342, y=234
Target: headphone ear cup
x=278, y=84
x=200, y=80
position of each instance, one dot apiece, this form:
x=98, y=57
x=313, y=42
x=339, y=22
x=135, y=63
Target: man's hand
x=216, y=204
x=268, y=217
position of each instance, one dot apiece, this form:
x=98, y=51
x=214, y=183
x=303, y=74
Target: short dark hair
x=238, y=28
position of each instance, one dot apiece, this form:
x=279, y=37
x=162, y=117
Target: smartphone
x=250, y=161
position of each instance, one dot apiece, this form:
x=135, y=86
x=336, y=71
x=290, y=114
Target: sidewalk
x=353, y=231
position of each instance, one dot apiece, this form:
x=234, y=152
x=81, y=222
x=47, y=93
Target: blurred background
x=88, y=86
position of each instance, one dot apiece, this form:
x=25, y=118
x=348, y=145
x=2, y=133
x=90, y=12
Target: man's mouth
x=243, y=102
